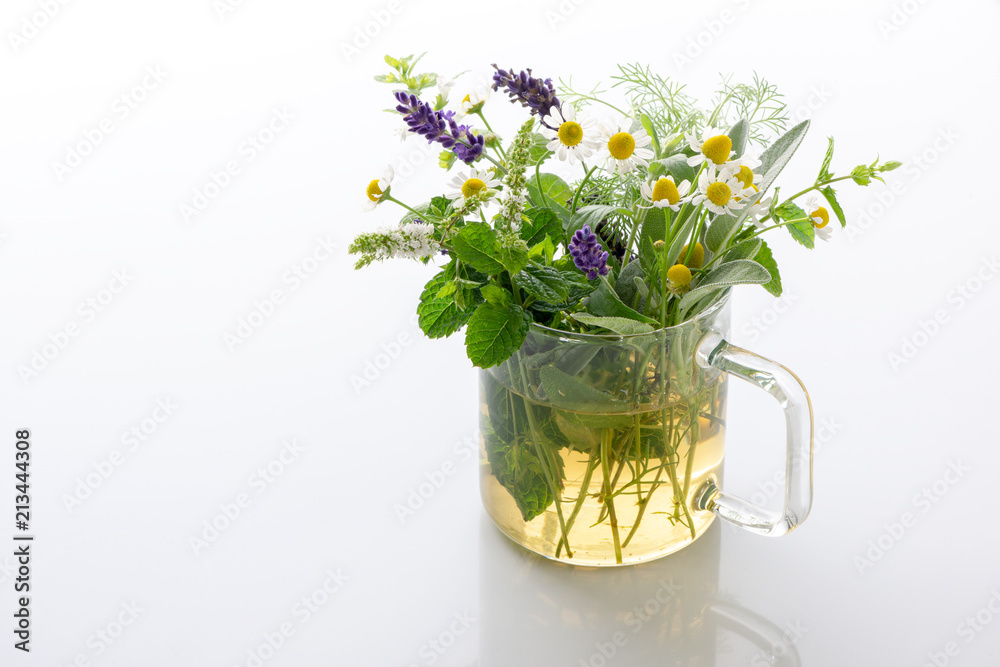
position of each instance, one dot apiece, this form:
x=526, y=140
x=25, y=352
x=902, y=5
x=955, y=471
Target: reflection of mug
x=606, y=450
x=665, y=613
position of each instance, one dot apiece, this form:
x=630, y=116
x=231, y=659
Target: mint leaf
x=831, y=198
x=498, y=296
x=802, y=231
x=545, y=283
x=553, y=188
x=542, y=222
x=440, y=317
x=766, y=259
x=824, y=171
x=495, y=333
x=477, y=245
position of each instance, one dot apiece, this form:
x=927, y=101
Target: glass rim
x=718, y=304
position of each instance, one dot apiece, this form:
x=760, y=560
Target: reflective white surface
x=174, y=526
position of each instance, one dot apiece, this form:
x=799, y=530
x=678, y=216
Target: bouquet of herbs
x=667, y=214
x=669, y=208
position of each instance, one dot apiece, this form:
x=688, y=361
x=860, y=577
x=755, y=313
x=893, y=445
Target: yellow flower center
x=745, y=176
x=621, y=146
x=665, y=189
x=679, y=275
x=718, y=148
x=823, y=214
x=719, y=193
x=472, y=187
x=466, y=99
x=570, y=133
x=697, y=256
x=374, y=191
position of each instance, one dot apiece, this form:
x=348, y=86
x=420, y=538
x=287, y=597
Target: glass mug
x=608, y=450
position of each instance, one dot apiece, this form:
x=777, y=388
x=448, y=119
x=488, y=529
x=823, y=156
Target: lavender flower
x=536, y=94
x=440, y=126
x=588, y=253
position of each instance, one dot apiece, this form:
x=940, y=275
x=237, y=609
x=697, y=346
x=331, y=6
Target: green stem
x=606, y=492
x=487, y=124
x=579, y=189
x=396, y=201
x=780, y=224
x=592, y=464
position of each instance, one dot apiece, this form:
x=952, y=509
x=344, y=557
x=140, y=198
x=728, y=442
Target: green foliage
x=737, y=272
x=553, y=188
x=675, y=165
x=758, y=102
x=544, y=283
x=494, y=333
x=403, y=73
x=824, y=171
x=802, y=230
x=831, y=198
x=605, y=302
x=618, y=325
x=541, y=222
x=439, y=316
x=766, y=259
x=778, y=154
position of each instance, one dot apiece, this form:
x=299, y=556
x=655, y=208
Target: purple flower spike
x=537, y=94
x=440, y=126
x=588, y=253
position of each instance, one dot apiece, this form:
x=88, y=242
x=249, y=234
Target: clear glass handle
x=775, y=379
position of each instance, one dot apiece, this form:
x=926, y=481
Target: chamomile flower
x=756, y=210
x=714, y=148
x=743, y=169
x=820, y=217
x=664, y=193
x=475, y=183
x=473, y=102
x=624, y=149
x=572, y=139
x=444, y=85
x=378, y=189
x=721, y=192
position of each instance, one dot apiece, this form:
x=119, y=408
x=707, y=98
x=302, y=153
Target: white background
x=913, y=81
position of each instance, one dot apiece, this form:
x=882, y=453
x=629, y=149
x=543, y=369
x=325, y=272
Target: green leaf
x=498, y=296
x=675, y=165
x=654, y=227
x=605, y=302
x=545, y=283
x=862, y=174
x=618, y=325
x=802, y=231
x=647, y=125
x=495, y=333
x=579, y=287
x=890, y=165
x=682, y=237
x=588, y=215
x=542, y=222
x=719, y=231
x=477, y=245
x=745, y=250
x=738, y=134
x=439, y=318
x=777, y=155
x=766, y=259
x=831, y=198
x=513, y=259
x=737, y=272
x=538, y=151
x=625, y=286
x=570, y=393
x=553, y=187
x=824, y=171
